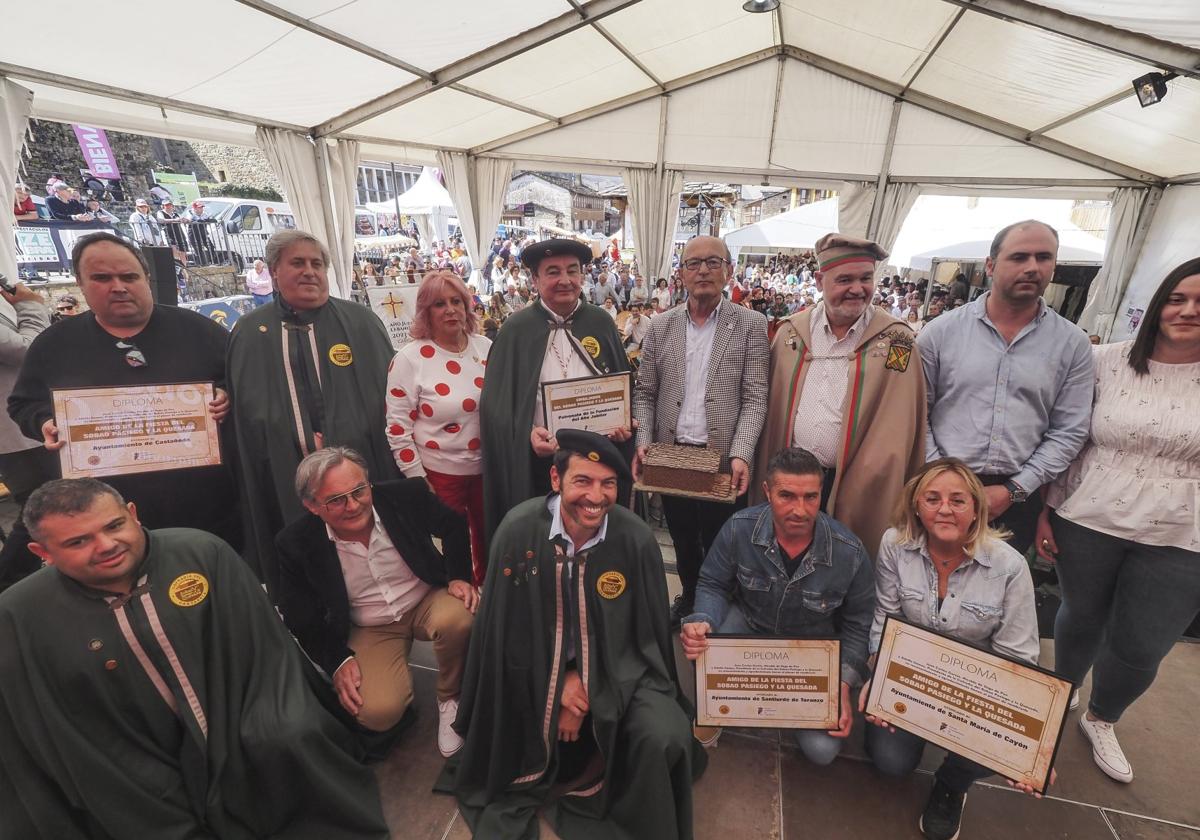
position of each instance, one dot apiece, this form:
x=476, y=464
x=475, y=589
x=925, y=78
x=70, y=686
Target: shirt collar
x=979, y=308
x=820, y=323
x=554, y=505
x=982, y=556
x=558, y=319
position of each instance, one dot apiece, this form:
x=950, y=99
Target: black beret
x=533, y=255
x=594, y=447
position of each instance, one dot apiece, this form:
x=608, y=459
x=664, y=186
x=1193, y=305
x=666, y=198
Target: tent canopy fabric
x=1073, y=247
x=423, y=198
x=803, y=94
x=799, y=228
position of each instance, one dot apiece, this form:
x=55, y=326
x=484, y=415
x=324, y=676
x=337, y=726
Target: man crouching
x=570, y=692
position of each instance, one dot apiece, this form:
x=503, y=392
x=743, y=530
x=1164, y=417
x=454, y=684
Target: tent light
x=760, y=6
x=1152, y=87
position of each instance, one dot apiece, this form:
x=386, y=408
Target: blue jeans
x=898, y=754
x=818, y=746
x=1124, y=605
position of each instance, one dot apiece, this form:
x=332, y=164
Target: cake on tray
x=685, y=471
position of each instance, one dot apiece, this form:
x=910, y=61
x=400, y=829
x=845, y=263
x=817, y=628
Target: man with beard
x=305, y=371
x=571, y=689
x=148, y=689
x=557, y=337
x=845, y=387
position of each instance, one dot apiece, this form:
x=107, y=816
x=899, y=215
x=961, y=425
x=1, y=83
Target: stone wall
x=239, y=164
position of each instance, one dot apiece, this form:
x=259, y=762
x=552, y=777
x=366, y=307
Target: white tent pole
x=885, y=166
x=775, y=109
x=332, y=222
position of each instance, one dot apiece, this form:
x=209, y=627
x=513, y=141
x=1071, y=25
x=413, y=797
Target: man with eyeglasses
x=846, y=384
x=559, y=336
x=126, y=340
x=702, y=382
x=360, y=579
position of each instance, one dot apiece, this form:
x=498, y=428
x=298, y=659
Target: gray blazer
x=15, y=338
x=735, y=391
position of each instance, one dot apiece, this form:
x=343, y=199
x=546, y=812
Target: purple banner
x=97, y=154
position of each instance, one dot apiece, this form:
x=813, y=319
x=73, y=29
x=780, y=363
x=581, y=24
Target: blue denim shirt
x=989, y=599
x=832, y=593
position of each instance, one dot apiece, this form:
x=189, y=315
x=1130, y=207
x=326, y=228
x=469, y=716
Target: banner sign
x=395, y=306
x=48, y=244
x=183, y=187
x=97, y=154
x=35, y=245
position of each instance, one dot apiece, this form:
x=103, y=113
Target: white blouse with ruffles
x=1138, y=476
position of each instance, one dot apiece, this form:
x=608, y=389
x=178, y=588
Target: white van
x=245, y=225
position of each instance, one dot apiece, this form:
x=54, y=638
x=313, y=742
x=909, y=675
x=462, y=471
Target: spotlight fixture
x=759, y=6
x=1152, y=87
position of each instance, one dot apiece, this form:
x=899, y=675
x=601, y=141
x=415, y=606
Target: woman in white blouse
x=1122, y=522
x=433, y=402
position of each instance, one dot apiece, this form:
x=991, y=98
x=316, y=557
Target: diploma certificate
x=998, y=712
x=116, y=431
x=769, y=681
x=598, y=404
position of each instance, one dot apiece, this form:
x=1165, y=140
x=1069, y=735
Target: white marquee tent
x=880, y=99
x=798, y=228
x=427, y=200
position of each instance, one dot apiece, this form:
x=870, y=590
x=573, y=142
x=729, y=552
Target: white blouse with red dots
x=433, y=407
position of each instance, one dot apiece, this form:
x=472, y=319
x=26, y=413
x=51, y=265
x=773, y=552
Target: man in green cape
x=571, y=698
x=558, y=336
x=149, y=690
x=304, y=371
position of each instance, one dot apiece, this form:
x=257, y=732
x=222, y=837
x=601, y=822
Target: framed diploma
x=598, y=404
x=999, y=712
x=769, y=681
x=116, y=431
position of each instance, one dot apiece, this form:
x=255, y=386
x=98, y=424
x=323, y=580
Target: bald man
x=703, y=382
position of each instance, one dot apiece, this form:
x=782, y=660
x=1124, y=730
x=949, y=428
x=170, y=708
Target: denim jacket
x=832, y=593
x=989, y=599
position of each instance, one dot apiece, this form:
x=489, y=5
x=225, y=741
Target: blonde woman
x=941, y=566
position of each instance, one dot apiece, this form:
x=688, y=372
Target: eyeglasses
x=957, y=504
x=337, y=504
x=133, y=356
x=713, y=263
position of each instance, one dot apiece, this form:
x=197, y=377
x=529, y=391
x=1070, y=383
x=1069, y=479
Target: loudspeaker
x=162, y=275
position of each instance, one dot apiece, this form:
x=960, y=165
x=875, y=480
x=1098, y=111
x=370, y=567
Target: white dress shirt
x=554, y=505
x=693, y=416
x=817, y=425
x=560, y=353
x=379, y=584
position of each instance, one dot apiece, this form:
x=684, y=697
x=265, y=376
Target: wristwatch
x=1016, y=493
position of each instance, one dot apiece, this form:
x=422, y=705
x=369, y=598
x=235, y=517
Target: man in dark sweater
x=128, y=341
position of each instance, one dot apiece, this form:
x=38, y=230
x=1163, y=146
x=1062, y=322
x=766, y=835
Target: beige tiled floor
x=759, y=787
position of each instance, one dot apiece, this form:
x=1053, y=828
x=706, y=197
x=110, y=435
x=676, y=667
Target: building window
x=222, y=176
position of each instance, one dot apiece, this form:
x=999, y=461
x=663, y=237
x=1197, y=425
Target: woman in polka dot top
x=433, y=402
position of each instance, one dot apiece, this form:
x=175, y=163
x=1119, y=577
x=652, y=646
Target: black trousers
x=694, y=525
x=23, y=472
x=1021, y=518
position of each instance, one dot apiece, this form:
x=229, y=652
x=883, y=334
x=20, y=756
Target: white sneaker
x=1074, y=704
x=448, y=741
x=1106, y=751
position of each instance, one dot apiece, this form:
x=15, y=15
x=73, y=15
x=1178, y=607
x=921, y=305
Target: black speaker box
x=162, y=275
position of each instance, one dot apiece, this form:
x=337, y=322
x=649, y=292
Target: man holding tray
x=784, y=568
x=558, y=337
x=570, y=689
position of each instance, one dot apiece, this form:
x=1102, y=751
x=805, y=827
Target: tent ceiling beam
x=632, y=99
x=982, y=181
x=932, y=50
x=1190, y=178
x=506, y=103
x=775, y=108
x=618, y=46
x=307, y=25
x=965, y=115
x=127, y=95
x=1123, y=93
x=489, y=57
x=390, y=141
x=1139, y=47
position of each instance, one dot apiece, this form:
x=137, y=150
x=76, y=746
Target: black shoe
x=679, y=610
x=943, y=813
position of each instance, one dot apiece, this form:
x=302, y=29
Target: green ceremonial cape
x=510, y=389
x=354, y=352
x=203, y=728
x=508, y=711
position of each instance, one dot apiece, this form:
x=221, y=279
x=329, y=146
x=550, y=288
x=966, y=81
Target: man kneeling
x=785, y=568
x=148, y=689
x=571, y=688
x=360, y=578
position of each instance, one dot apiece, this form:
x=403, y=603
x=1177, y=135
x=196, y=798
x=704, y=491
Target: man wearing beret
x=847, y=386
x=558, y=337
x=570, y=692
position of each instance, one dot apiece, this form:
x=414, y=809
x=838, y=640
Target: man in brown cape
x=846, y=385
